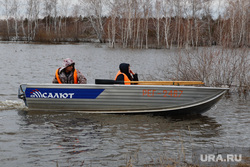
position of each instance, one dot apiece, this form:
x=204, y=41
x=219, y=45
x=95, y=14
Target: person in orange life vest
x=67, y=74
x=126, y=74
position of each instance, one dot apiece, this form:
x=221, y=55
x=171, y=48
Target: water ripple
x=10, y=104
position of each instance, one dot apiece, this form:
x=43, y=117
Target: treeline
x=129, y=23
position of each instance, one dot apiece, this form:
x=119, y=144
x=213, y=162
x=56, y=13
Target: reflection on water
x=93, y=138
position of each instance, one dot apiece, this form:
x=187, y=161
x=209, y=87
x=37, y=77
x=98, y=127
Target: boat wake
x=10, y=105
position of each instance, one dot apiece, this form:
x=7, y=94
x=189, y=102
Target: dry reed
x=215, y=67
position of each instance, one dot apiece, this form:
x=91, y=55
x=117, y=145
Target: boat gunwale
x=75, y=86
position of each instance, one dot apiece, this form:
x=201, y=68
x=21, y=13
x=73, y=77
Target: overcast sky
x=216, y=7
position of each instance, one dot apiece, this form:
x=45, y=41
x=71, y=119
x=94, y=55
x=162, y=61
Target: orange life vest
x=59, y=80
x=125, y=77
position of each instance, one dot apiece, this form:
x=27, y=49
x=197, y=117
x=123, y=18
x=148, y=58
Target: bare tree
x=30, y=18
x=146, y=14
x=36, y=11
x=178, y=21
x=64, y=12
x=47, y=13
x=220, y=24
x=127, y=25
x=54, y=4
x=242, y=15
x=136, y=23
x=138, y=29
x=158, y=15
x=114, y=9
x=22, y=25
x=15, y=13
x=187, y=24
x=33, y=10
x=196, y=7
x=208, y=18
x=7, y=9
x=94, y=9
x=76, y=13
x=167, y=12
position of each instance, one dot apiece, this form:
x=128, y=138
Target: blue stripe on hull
x=63, y=93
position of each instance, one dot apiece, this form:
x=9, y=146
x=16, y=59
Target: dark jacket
x=124, y=68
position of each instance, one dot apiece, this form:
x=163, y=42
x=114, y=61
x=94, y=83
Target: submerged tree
x=130, y=23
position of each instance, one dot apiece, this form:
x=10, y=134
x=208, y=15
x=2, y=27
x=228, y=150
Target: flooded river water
x=30, y=139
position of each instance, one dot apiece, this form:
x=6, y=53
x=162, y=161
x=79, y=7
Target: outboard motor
x=21, y=93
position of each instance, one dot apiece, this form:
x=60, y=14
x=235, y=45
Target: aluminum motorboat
x=120, y=98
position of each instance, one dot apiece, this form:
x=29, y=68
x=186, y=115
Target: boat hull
x=91, y=98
